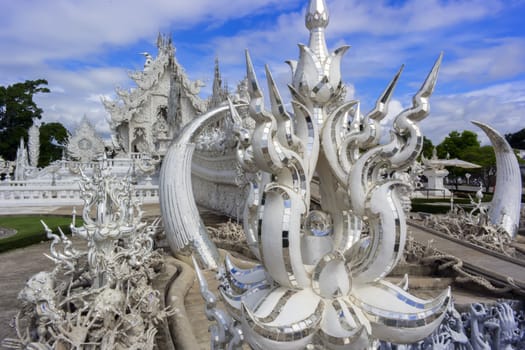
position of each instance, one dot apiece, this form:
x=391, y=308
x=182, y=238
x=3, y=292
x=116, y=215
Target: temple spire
x=316, y=21
x=217, y=80
x=219, y=93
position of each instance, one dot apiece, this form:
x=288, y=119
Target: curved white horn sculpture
x=505, y=207
x=184, y=227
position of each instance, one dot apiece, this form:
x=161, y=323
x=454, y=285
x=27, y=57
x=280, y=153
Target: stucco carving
x=99, y=298
x=21, y=161
x=33, y=145
x=142, y=119
x=84, y=145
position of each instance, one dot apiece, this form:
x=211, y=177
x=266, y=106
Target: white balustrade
x=26, y=194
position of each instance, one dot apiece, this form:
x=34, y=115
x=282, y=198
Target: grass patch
x=30, y=230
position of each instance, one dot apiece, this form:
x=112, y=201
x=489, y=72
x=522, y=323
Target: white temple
x=145, y=119
x=321, y=198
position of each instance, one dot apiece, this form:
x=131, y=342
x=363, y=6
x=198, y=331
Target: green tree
x=455, y=143
x=460, y=146
x=465, y=146
x=486, y=158
x=517, y=139
x=17, y=112
x=53, y=139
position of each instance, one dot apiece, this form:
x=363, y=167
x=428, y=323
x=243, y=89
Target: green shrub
x=432, y=206
x=429, y=208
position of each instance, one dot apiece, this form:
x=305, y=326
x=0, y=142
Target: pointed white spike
x=253, y=85
x=430, y=82
x=381, y=108
x=276, y=100
x=203, y=284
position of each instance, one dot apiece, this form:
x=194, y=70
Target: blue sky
x=85, y=48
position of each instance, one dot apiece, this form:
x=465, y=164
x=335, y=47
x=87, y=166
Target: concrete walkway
x=470, y=256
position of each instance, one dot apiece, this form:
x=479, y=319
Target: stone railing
x=14, y=184
x=215, y=185
x=48, y=195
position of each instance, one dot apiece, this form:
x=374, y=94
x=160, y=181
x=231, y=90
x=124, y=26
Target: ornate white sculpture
x=101, y=298
x=33, y=145
x=184, y=228
x=321, y=279
x=505, y=207
x=495, y=326
x=474, y=226
x=84, y=145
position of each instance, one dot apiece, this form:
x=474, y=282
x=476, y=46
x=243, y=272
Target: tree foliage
x=17, y=112
x=53, y=139
x=517, y=139
x=466, y=146
x=455, y=143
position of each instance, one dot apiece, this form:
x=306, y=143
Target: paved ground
x=471, y=256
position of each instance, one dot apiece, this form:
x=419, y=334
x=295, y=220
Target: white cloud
x=75, y=94
x=498, y=59
x=62, y=29
x=495, y=105
x=38, y=36
x=381, y=18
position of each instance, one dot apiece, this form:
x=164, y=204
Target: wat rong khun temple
x=271, y=228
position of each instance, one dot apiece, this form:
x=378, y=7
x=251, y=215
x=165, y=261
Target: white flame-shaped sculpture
x=320, y=282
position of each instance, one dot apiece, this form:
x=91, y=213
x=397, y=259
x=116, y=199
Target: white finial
x=316, y=21
x=317, y=15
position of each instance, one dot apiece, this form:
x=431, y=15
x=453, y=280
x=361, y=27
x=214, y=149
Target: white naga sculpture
x=320, y=283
